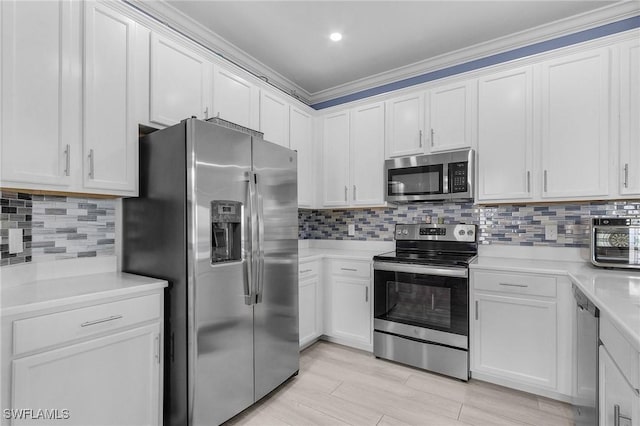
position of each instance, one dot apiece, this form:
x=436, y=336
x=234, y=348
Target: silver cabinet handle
x=67, y=160
x=101, y=320
x=513, y=285
x=476, y=310
x=349, y=269
x=157, y=349
x=420, y=138
x=617, y=416
x=626, y=175
x=304, y=271
x=545, y=181
x=528, y=181
x=366, y=294
x=206, y=113
x=432, y=137
x=345, y=192
x=354, y=192
x=91, y=165
x=433, y=302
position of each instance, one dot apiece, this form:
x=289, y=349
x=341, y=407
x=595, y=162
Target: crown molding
x=574, y=24
x=174, y=19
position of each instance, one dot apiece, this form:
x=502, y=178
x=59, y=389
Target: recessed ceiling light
x=335, y=36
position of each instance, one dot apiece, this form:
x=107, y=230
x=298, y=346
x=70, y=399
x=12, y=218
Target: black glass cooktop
x=436, y=258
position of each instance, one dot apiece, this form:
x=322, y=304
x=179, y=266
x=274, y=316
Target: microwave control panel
x=458, y=177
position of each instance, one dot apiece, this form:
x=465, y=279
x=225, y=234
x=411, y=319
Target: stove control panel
x=437, y=232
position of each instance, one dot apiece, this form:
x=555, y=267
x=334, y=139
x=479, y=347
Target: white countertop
x=615, y=292
x=51, y=293
x=316, y=253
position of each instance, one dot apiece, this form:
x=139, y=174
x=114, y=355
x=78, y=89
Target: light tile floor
x=343, y=386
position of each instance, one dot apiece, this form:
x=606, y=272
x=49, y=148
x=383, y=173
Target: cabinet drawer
x=308, y=269
x=515, y=283
x=351, y=268
x=47, y=330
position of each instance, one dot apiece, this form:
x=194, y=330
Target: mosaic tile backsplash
x=517, y=224
x=56, y=227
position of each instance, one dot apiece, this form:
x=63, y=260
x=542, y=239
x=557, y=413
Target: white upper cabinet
x=40, y=93
x=451, y=116
x=301, y=140
x=575, y=125
x=110, y=130
x=234, y=98
x=405, y=125
x=335, y=159
x=179, y=82
x=274, y=118
x=367, y=154
x=505, y=135
x=630, y=118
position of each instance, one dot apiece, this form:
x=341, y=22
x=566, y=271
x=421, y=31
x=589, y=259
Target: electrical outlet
x=15, y=241
x=551, y=232
x=352, y=230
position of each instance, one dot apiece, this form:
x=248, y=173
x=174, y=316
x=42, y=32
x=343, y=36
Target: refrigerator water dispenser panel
x=226, y=230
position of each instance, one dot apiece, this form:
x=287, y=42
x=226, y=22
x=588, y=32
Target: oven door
x=617, y=246
x=421, y=302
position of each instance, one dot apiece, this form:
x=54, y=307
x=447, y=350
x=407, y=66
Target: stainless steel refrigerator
x=217, y=217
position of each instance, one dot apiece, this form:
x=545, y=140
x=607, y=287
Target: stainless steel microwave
x=615, y=242
x=447, y=176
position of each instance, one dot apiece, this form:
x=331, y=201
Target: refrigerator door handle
x=250, y=254
x=260, y=217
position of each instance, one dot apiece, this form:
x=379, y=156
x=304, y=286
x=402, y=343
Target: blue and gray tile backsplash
x=517, y=224
x=56, y=227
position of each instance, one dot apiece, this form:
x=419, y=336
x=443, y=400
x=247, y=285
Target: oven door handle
x=421, y=269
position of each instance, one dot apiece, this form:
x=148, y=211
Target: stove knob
x=405, y=232
x=461, y=232
x=470, y=232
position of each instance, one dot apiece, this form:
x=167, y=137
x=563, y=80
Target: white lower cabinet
x=349, y=319
x=87, y=365
x=619, y=402
x=310, y=302
x=521, y=331
x=111, y=380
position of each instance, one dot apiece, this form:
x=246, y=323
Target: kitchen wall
x=517, y=224
x=56, y=227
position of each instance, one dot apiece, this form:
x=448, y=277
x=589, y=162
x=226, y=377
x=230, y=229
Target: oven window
x=420, y=180
x=422, y=300
x=618, y=245
x=418, y=303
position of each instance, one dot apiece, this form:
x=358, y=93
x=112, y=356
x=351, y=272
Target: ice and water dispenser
x=226, y=230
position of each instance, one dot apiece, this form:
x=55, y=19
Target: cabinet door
x=367, y=154
x=451, y=116
x=235, y=99
x=309, y=317
x=575, y=125
x=515, y=338
x=274, y=119
x=335, y=169
x=110, y=129
x=112, y=380
x=505, y=135
x=405, y=125
x=40, y=93
x=350, y=309
x=617, y=397
x=300, y=138
x=630, y=118
x=180, y=85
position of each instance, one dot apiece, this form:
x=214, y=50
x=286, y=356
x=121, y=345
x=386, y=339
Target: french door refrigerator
x=217, y=217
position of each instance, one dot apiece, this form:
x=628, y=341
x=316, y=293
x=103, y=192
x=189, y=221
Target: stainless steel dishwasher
x=585, y=402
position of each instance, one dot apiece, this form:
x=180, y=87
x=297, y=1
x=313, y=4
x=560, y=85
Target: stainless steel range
x=421, y=298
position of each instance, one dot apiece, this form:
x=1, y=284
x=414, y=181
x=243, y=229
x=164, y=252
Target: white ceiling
x=291, y=38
